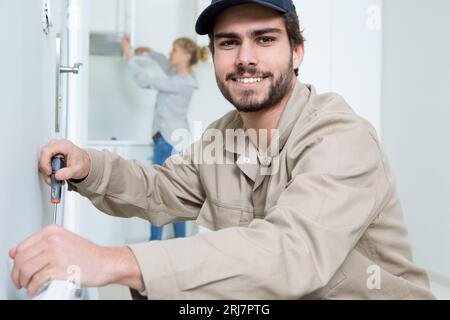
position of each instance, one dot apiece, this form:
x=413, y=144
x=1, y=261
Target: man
x=313, y=215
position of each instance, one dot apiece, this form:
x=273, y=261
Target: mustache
x=251, y=71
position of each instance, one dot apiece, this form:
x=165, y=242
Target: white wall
x=415, y=114
x=27, y=82
x=343, y=54
x=343, y=51
x=117, y=107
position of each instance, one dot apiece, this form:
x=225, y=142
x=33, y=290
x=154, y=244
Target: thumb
x=65, y=174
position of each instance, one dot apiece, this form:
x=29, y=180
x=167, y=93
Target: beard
x=278, y=89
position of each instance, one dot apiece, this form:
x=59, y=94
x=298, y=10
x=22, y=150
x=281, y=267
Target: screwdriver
x=58, y=162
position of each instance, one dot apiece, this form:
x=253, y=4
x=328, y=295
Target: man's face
x=253, y=59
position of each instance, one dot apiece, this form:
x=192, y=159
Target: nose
x=247, y=55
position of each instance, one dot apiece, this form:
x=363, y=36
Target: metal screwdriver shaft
x=55, y=213
x=58, y=162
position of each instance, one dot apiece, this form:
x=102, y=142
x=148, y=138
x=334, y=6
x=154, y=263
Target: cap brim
x=208, y=16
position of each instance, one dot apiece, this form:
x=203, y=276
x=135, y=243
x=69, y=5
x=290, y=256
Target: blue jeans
x=161, y=151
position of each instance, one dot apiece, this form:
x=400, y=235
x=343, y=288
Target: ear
x=297, y=57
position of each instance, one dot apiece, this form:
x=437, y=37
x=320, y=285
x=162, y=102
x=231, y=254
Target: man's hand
x=78, y=163
x=52, y=254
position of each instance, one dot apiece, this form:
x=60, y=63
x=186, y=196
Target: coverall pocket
x=216, y=216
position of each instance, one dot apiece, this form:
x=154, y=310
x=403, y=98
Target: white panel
x=356, y=55
x=315, y=21
x=104, y=15
x=26, y=122
x=416, y=113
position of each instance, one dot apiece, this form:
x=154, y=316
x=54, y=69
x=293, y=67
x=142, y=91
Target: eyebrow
x=254, y=34
x=226, y=35
x=260, y=32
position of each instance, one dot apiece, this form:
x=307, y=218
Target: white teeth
x=249, y=80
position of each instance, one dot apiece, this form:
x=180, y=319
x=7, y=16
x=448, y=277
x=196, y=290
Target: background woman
x=172, y=103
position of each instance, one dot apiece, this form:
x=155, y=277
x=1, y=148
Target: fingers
x=77, y=163
x=39, y=279
x=35, y=257
x=65, y=174
x=53, y=148
x=142, y=50
x=28, y=250
x=35, y=239
x=45, y=177
x=47, y=180
x=31, y=267
x=30, y=241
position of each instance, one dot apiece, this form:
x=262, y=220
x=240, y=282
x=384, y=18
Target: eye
x=265, y=40
x=229, y=44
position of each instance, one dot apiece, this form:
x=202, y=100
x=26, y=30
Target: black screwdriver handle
x=58, y=162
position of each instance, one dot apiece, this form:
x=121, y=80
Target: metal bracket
x=75, y=69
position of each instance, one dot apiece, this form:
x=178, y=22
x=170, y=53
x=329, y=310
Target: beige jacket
x=326, y=223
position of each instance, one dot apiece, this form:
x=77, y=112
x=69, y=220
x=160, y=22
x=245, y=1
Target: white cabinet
x=110, y=15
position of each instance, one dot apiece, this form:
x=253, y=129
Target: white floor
x=440, y=286
x=114, y=292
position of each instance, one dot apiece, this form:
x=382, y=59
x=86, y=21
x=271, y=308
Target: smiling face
x=253, y=58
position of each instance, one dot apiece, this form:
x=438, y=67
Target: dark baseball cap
x=206, y=19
